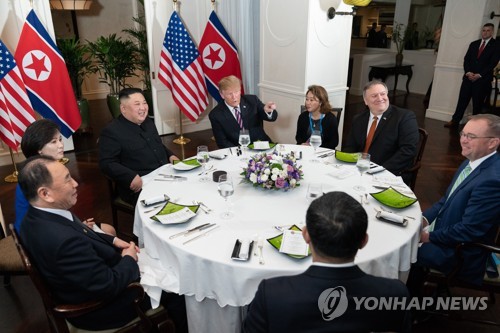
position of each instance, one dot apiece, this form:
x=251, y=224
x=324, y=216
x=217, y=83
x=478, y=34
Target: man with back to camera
x=468, y=212
x=335, y=229
x=481, y=57
x=236, y=112
x=130, y=147
x=394, y=139
x=78, y=264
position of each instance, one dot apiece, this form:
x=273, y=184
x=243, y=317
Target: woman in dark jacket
x=318, y=117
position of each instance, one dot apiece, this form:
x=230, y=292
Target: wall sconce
x=492, y=15
x=70, y=4
x=354, y=3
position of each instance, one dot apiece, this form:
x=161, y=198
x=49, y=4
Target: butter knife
x=185, y=232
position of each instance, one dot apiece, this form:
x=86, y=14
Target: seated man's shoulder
x=387, y=287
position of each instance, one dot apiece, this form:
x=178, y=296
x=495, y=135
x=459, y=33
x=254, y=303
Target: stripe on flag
x=181, y=70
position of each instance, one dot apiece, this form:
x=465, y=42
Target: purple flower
x=280, y=182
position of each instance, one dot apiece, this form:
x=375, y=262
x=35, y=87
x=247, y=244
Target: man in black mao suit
x=253, y=112
x=325, y=297
x=130, y=147
x=478, y=68
x=394, y=143
x=78, y=264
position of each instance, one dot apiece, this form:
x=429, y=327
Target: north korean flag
x=46, y=76
x=219, y=54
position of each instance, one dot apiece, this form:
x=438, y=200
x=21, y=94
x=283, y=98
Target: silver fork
x=201, y=207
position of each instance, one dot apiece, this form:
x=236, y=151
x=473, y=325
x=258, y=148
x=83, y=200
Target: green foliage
x=78, y=62
x=141, y=48
x=116, y=60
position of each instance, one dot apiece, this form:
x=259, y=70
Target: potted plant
x=115, y=61
x=139, y=34
x=79, y=64
x=399, y=36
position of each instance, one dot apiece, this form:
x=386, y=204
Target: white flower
x=267, y=171
x=253, y=178
x=274, y=177
x=275, y=171
x=264, y=177
x=293, y=182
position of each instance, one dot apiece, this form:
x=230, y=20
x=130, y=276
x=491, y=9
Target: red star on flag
x=213, y=56
x=38, y=65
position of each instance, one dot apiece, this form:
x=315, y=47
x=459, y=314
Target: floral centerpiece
x=273, y=171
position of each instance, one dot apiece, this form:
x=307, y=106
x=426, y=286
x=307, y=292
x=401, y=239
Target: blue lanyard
x=320, y=125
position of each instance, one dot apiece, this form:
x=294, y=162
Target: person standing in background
x=479, y=61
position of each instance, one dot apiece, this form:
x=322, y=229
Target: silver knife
x=172, y=176
x=202, y=234
x=185, y=232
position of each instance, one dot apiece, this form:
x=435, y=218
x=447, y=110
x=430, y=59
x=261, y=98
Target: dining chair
x=10, y=261
x=413, y=170
x=337, y=112
x=490, y=284
x=57, y=314
x=117, y=204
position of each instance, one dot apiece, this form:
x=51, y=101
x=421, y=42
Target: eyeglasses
x=471, y=136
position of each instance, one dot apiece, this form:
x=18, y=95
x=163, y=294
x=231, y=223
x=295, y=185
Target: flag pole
x=13, y=177
x=181, y=140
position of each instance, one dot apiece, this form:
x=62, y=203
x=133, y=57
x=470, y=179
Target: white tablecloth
x=204, y=268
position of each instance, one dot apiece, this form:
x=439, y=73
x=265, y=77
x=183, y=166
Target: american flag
x=16, y=112
x=181, y=71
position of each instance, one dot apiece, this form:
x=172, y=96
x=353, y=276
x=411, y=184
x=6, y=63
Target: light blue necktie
x=461, y=177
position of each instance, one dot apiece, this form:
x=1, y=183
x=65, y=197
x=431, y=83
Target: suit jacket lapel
x=384, y=118
x=229, y=118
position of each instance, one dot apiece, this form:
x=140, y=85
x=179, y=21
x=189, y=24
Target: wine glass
x=244, y=141
x=315, y=142
x=203, y=158
x=226, y=189
x=314, y=191
x=363, y=165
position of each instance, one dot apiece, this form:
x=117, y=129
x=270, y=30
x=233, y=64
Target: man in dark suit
x=469, y=211
x=324, y=298
x=238, y=112
x=395, y=138
x=479, y=62
x=78, y=264
x=130, y=147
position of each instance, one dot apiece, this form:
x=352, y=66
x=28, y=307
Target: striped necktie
x=461, y=177
x=238, y=117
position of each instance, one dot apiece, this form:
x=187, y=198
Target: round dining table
x=217, y=287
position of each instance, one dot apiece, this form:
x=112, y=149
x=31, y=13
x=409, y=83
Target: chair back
x=413, y=170
x=337, y=112
x=57, y=324
x=117, y=204
x=10, y=261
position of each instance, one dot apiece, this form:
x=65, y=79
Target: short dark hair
x=37, y=135
x=34, y=175
x=337, y=225
x=489, y=25
x=126, y=92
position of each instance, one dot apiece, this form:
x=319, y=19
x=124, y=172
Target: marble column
x=300, y=46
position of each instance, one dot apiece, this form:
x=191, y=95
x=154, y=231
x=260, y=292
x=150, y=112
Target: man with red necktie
x=479, y=61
